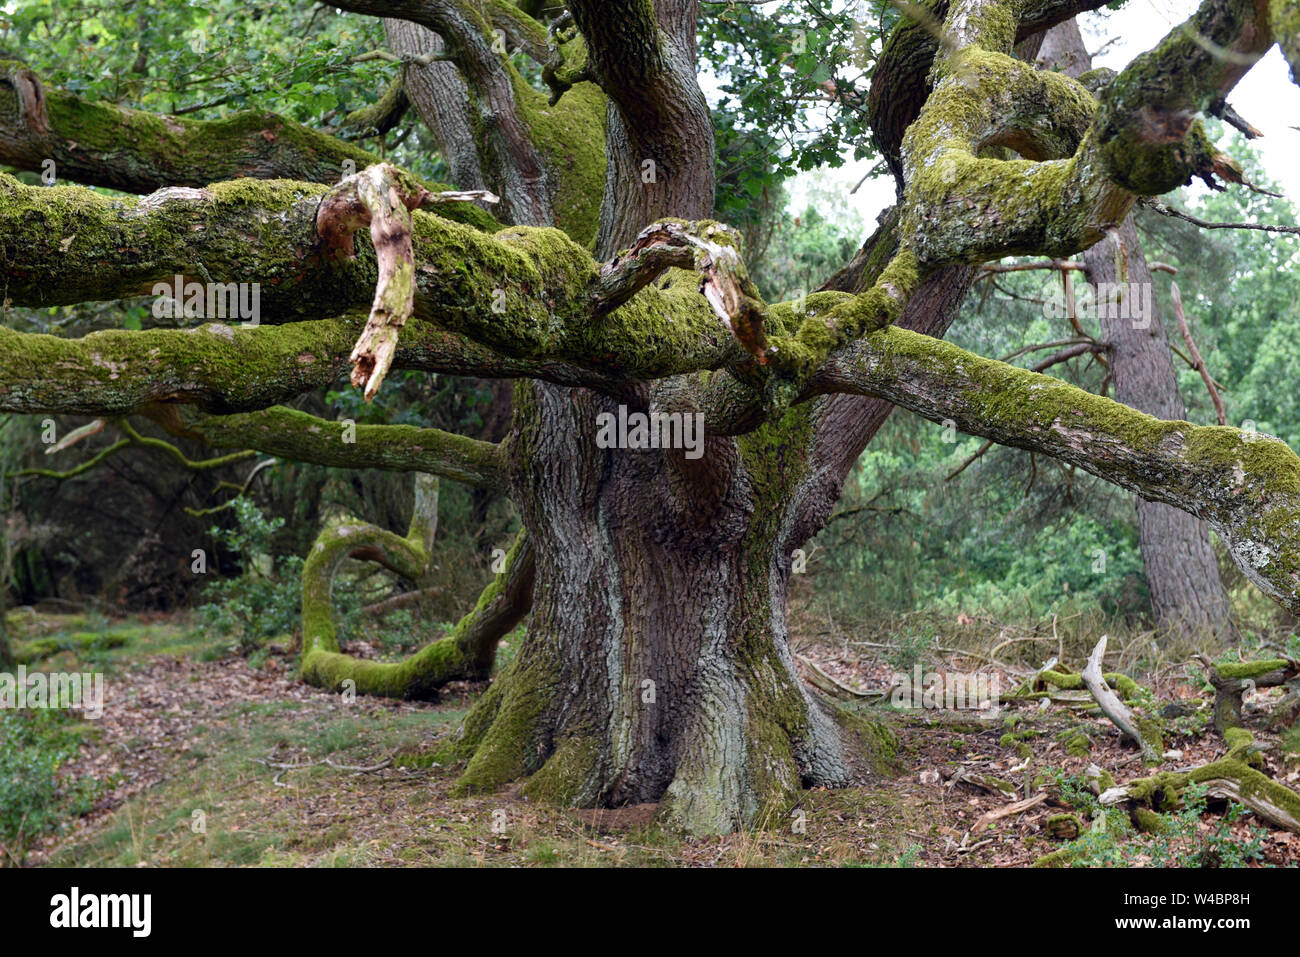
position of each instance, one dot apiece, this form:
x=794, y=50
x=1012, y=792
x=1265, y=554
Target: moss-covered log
x=1233, y=679
x=1230, y=778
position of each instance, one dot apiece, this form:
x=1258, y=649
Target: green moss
x=1149, y=822
x=878, y=741
x=569, y=774
x=1062, y=858
x=1162, y=791
x=571, y=138
x=1063, y=826
x=29, y=652
x=500, y=733
x=1122, y=684
x=1241, y=670
x=1105, y=780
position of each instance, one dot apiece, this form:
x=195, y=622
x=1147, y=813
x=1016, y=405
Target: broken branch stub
x=381, y=197
x=710, y=249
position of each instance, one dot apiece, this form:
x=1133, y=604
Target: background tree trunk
x=1187, y=593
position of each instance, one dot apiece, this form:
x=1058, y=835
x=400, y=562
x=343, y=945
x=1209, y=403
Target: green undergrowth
x=1189, y=836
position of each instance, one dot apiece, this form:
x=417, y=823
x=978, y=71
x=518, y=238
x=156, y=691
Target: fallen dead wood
x=837, y=689
x=1230, y=778
x=1145, y=731
x=1008, y=810
x=984, y=782
x=1231, y=680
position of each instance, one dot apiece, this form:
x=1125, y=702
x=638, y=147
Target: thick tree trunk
x=656, y=666
x=1187, y=594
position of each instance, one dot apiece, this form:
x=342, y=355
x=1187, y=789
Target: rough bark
x=441, y=98
x=660, y=131
x=656, y=665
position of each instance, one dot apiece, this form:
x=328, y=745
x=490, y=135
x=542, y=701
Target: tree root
x=466, y=654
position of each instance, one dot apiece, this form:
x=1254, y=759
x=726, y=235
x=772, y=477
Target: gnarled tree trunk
x=656, y=665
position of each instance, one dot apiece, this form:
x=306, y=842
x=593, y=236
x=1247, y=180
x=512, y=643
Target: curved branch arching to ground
x=465, y=654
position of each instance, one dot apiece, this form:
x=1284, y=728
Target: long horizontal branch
x=133, y=438
x=1245, y=485
x=224, y=369
x=526, y=293
x=301, y=437
x=102, y=144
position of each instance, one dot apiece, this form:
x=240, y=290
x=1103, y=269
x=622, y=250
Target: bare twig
x=1164, y=210
x=1197, y=362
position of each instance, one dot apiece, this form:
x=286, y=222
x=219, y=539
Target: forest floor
x=204, y=759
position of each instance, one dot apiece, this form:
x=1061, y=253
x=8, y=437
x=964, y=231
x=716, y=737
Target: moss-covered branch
x=1246, y=486
x=132, y=438
x=467, y=653
x=300, y=437
x=102, y=144
x=1147, y=132
x=1230, y=777
x=961, y=206
x=524, y=293
x=901, y=77
x=1232, y=679
x=223, y=369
